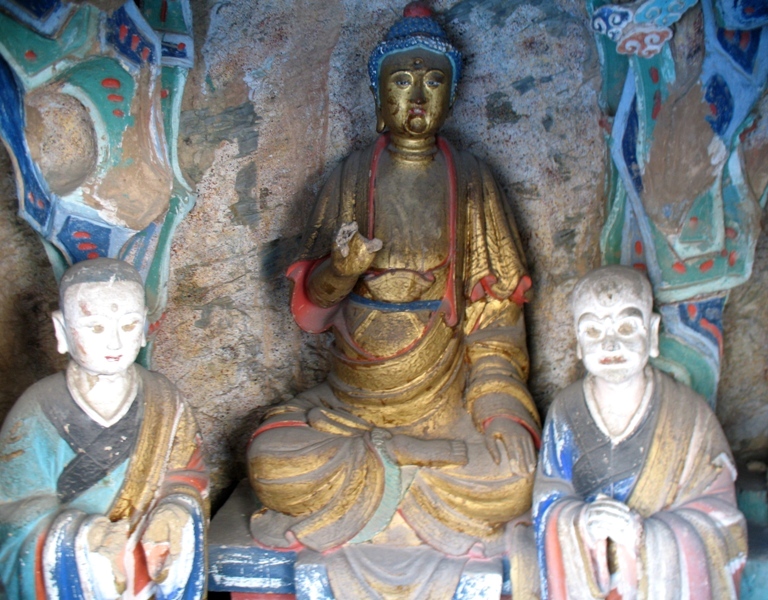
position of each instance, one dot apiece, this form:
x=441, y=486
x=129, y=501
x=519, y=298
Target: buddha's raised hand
x=352, y=253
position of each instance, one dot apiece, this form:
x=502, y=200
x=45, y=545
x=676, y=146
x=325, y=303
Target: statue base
x=249, y=572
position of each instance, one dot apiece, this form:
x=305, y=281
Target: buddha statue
x=634, y=493
x=103, y=490
x=417, y=454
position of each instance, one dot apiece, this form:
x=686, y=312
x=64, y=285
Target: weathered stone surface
x=278, y=95
x=28, y=295
x=742, y=404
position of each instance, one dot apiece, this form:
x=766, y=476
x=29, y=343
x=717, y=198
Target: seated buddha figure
x=103, y=490
x=634, y=494
x=420, y=447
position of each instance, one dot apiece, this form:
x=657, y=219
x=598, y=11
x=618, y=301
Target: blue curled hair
x=414, y=32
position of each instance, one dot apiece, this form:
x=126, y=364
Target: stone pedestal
x=248, y=572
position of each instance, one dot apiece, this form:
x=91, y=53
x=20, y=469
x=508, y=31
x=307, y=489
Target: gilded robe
x=439, y=365
x=59, y=468
x=675, y=469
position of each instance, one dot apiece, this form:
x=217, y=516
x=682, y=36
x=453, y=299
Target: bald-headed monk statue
x=103, y=490
x=634, y=494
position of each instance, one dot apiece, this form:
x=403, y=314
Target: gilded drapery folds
x=429, y=346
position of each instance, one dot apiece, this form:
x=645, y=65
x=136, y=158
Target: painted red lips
x=612, y=360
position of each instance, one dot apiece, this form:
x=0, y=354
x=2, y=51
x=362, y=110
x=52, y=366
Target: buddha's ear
x=654, y=341
x=61, y=332
x=145, y=328
x=380, y=125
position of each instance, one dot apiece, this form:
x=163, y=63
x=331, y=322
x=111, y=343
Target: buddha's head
x=616, y=328
x=102, y=315
x=414, y=73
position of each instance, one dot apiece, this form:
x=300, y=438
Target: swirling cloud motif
x=643, y=41
x=611, y=20
x=661, y=13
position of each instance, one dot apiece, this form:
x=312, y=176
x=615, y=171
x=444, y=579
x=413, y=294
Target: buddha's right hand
x=352, y=253
x=335, y=278
x=407, y=450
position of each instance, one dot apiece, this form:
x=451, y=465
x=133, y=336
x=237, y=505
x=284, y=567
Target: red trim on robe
x=693, y=552
x=140, y=570
x=277, y=425
x=194, y=479
x=534, y=434
x=554, y=555
x=381, y=143
x=484, y=287
x=196, y=462
x=39, y=580
x=518, y=296
x=308, y=315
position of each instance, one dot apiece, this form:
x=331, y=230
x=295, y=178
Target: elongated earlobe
x=655, y=325
x=61, y=332
x=144, y=329
x=380, y=125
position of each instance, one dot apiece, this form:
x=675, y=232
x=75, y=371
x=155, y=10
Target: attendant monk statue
x=634, y=495
x=103, y=491
x=417, y=455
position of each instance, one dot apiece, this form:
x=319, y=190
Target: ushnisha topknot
x=97, y=270
x=609, y=285
x=417, y=29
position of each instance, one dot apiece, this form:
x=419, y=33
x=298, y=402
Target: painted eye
x=97, y=328
x=626, y=328
x=130, y=326
x=433, y=83
x=593, y=332
x=402, y=83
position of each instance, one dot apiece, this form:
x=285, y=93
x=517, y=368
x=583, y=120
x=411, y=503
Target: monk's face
x=415, y=92
x=616, y=341
x=103, y=325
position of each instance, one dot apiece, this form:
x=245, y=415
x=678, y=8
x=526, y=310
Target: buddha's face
x=616, y=341
x=102, y=325
x=415, y=92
